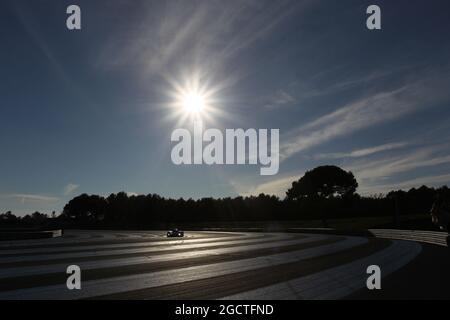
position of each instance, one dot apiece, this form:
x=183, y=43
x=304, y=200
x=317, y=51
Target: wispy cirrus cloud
x=207, y=33
x=29, y=197
x=280, y=99
x=363, y=152
x=277, y=187
x=309, y=89
x=430, y=181
x=387, y=167
x=365, y=112
x=70, y=188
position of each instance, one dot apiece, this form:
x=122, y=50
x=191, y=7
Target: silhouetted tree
x=85, y=208
x=8, y=218
x=323, y=182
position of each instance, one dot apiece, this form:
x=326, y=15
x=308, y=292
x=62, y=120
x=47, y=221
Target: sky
x=91, y=111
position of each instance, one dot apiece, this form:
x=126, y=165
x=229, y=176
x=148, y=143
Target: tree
x=85, y=208
x=323, y=182
x=8, y=218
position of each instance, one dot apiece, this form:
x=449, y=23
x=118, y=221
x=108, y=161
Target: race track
x=225, y=265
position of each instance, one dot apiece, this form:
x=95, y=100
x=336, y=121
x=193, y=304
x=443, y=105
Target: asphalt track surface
x=226, y=265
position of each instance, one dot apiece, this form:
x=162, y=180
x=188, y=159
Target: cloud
x=306, y=88
x=70, y=188
x=276, y=187
x=280, y=99
x=389, y=166
x=363, y=152
x=363, y=113
x=208, y=33
x=431, y=181
x=30, y=197
x=372, y=174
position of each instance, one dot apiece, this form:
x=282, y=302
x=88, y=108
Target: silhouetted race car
x=175, y=233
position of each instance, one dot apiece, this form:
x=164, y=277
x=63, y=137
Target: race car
x=175, y=233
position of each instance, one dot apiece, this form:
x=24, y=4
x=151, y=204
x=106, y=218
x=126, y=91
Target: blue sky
x=86, y=111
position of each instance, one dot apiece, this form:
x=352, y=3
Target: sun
x=193, y=97
x=193, y=102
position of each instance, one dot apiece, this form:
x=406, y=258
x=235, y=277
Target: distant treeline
x=8, y=219
x=326, y=192
x=153, y=211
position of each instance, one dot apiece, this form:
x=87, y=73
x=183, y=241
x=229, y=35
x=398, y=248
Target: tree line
x=323, y=193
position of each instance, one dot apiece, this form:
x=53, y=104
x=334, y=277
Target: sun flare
x=193, y=102
x=193, y=96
